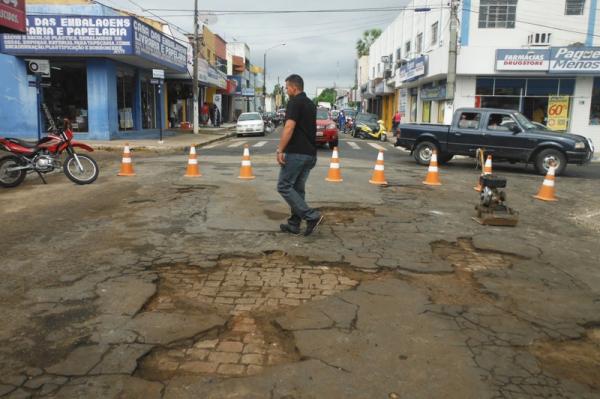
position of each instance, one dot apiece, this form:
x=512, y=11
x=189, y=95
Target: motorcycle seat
x=23, y=143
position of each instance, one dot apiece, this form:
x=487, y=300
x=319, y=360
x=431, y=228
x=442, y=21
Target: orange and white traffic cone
x=433, y=175
x=246, y=169
x=126, y=165
x=334, y=175
x=546, y=192
x=378, y=174
x=193, y=170
x=487, y=170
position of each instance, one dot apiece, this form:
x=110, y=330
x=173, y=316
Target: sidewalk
x=176, y=140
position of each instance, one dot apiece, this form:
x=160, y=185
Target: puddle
x=577, y=360
x=253, y=291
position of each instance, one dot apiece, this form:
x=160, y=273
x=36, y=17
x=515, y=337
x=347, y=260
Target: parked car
x=506, y=134
x=250, y=123
x=327, y=131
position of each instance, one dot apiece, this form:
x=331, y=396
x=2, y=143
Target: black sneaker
x=286, y=228
x=313, y=225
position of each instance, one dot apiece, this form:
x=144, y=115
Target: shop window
x=67, y=95
x=574, y=7
x=497, y=14
x=484, y=87
x=434, y=34
x=510, y=87
x=125, y=96
x=469, y=120
x=542, y=87
x=426, y=117
x=567, y=87
x=595, y=107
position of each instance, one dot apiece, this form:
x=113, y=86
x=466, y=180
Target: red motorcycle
x=44, y=156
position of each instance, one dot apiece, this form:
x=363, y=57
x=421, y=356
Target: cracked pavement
x=165, y=287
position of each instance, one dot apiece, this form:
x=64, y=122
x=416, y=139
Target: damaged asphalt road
x=164, y=287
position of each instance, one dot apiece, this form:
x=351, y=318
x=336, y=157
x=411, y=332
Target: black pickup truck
x=506, y=134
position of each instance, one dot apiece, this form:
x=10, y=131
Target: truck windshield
x=524, y=122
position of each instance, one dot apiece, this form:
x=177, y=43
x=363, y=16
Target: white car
x=250, y=123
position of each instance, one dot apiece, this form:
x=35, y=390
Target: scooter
x=362, y=131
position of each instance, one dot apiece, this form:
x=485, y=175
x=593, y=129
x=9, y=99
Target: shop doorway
x=66, y=97
x=535, y=109
x=125, y=98
x=149, y=105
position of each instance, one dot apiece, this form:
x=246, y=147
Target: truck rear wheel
x=423, y=152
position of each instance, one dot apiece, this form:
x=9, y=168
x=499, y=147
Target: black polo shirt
x=303, y=111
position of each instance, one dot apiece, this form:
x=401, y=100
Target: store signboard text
x=575, y=60
x=12, y=16
x=522, y=60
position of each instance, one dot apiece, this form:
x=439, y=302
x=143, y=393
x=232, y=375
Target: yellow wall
x=210, y=92
x=209, y=47
x=389, y=106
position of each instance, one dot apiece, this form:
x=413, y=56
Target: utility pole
x=265, y=82
x=452, y=51
x=195, y=78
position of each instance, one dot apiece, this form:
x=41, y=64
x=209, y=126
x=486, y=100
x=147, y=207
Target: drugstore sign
x=522, y=60
x=12, y=16
x=92, y=36
x=555, y=60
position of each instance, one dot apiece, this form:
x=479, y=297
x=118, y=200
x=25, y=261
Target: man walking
x=297, y=155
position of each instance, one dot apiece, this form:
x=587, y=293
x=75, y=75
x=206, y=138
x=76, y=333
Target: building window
x=595, y=107
x=434, y=34
x=497, y=14
x=419, y=44
x=407, y=49
x=574, y=7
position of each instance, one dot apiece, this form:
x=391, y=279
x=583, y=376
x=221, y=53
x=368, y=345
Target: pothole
x=253, y=291
x=461, y=287
x=464, y=256
x=345, y=215
x=577, y=360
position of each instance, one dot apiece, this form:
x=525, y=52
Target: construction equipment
x=491, y=209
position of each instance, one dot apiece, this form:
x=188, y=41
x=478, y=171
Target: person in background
x=204, y=113
x=341, y=120
x=396, y=120
x=538, y=115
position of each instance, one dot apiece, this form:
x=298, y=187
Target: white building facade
x=539, y=57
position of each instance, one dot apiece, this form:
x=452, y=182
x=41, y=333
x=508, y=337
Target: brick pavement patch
x=252, y=290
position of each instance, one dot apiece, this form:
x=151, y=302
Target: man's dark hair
x=296, y=80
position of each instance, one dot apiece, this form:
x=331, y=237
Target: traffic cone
x=487, y=170
x=433, y=175
x=192, y=168
x=126, y=165
x=246, y=169
x=546, y=192
x=378, y=174
x=334, y=175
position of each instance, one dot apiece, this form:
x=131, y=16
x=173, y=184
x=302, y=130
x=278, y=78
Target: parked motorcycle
x=364, y=130
x=44, y=156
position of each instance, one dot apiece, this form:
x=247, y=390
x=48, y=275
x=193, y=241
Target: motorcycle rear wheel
x=11, y=179
x=86, y=176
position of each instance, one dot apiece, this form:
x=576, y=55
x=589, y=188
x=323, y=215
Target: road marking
x=237, y=144
x=260, y=144
x=377, y=147
x=353, y=145
x=208, y=147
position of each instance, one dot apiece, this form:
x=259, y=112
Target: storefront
x=408, y=82
x=100, y=75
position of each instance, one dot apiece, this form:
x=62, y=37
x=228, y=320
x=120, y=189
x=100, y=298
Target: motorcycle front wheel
x=83, y=172
x=11, y=178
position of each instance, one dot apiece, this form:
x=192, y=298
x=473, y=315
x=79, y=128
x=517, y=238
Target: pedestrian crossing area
x=346, y=144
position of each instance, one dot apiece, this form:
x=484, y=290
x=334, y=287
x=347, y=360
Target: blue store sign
x=94, y=36
x=575, y=60
x=413, y=69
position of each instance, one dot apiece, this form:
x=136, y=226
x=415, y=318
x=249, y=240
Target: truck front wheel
x=550, y=156
x=424, y=151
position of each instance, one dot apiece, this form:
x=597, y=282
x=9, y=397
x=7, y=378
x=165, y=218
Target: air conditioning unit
x=539, y=39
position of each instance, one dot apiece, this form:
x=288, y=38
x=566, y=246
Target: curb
x=162, y=148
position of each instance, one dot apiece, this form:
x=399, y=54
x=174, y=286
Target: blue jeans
x=291, y=183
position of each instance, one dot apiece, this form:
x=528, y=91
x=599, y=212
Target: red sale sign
x=12, y=16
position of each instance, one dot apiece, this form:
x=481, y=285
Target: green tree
x=327, y=95
x=363, y=44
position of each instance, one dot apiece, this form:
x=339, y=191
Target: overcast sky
x=319, y=47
